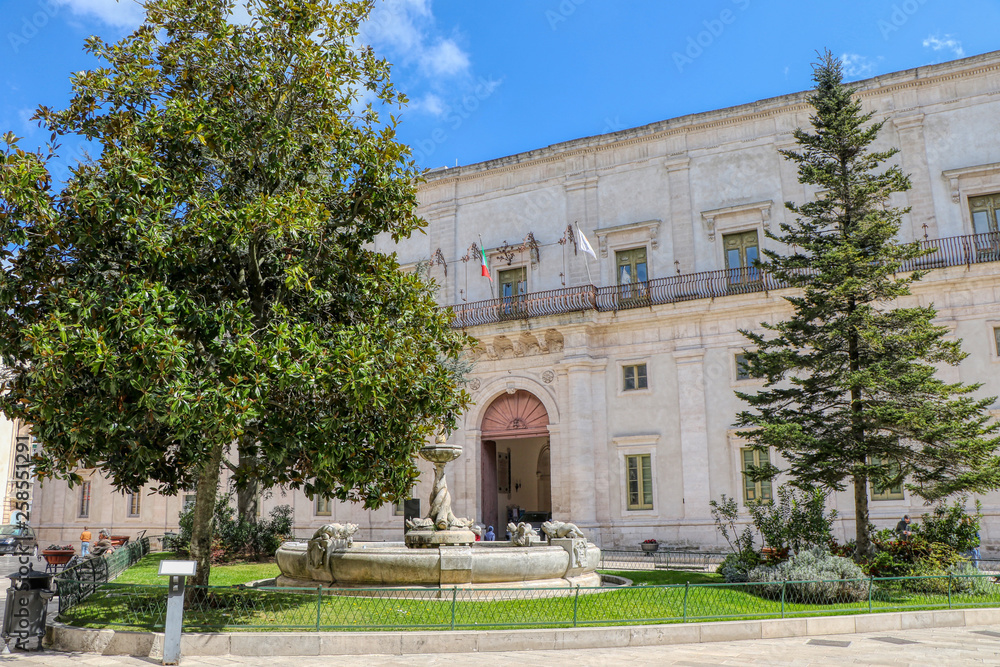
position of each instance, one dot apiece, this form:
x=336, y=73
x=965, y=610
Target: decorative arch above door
x=517, y=415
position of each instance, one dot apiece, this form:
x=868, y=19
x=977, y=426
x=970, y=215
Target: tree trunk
x=862, y=537
x=248, y=493
x=204, y=512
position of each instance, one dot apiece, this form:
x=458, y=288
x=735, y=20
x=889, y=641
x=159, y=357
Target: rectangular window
x=742, y=250
x=134, y=504
x=513, y=285
x=324, y=506
x=755, y=490
x=188, y=502
x=741, y=367
x=634, y=377
x=632, y=274
x=894, y=492
x=84, y=500
x=985, y=212
x=996, y=337
x=640, y=482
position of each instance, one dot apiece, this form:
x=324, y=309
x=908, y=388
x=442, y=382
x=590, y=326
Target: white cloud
x=946, y=42
x=117, y=13
x=430, y=103
x=857, y=66
x=445, y=59
x=405, y=29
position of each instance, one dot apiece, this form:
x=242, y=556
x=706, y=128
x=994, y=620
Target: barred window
x=84, y=500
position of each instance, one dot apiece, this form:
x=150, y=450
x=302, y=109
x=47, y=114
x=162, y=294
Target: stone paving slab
x=940, y=647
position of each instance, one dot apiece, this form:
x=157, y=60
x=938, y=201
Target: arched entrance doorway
x=515, y=459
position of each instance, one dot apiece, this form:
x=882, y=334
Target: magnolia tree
x=203, y=290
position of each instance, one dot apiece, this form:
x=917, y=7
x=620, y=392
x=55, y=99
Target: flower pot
x=649, y=548
x=58, y=556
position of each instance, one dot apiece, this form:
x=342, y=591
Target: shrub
x=735, y=568
x=952, y=525
x=797, y=520
x=237, y=538
x=813, y=576
x=967, y=579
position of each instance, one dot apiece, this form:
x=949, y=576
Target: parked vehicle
x=20, y=534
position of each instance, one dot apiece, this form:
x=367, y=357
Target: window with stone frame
x=996, y=340
x=324, y=506
x=134, y=504
x=893, y=492
x=634, y=377
x=742, y=372
x=754, y=490
x=985, y=212
x=84, y=508
x=639, y=481
x=632, y=273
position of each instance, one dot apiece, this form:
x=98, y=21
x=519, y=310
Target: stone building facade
x=604, y=386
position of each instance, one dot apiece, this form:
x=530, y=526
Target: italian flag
x=486, y=268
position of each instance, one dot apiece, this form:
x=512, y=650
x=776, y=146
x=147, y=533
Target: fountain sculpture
x=440, y=551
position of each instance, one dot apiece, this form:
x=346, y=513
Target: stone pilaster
x=680, y=227
x=913, y=157
x=581, y=208
x=694, y=431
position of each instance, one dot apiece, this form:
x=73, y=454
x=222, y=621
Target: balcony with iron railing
x=952, y=251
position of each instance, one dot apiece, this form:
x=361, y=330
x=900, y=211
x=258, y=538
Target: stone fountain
x=440, y=551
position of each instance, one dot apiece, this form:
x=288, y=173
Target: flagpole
x=482, y=249
x=586, y=261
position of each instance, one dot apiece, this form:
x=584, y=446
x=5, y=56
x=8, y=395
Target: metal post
x=949, y=590
x=783, y=584
x=687, y=584
x=174, y=621
x=319, y=605
x=454, y=594
x=576, y=600
x=871, y=585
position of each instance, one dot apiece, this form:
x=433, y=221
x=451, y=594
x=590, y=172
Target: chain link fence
x=249, y=609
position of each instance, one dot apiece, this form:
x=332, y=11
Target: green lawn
x=659, y=597
x=144, y=572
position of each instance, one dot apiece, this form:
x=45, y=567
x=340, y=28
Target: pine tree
x=851, y=394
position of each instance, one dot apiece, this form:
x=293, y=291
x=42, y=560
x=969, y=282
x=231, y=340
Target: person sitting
x=490, y=536
x=103, y=545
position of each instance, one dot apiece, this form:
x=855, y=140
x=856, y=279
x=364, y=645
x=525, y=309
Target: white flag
x=584, y=243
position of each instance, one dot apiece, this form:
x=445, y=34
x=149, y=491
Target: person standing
x=903, y=528
x=85, y=542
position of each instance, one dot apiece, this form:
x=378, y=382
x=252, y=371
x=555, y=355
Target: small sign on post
x=177, y=570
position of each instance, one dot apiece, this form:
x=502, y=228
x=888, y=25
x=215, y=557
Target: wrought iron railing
x=952, y=251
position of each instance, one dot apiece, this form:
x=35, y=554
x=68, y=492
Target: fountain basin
x=560, y=564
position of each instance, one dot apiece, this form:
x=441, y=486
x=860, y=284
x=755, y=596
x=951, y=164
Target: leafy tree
x=204, y=289
x=851, y=393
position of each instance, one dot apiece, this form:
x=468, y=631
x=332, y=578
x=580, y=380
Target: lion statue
x=521, y=534
x=560, y=529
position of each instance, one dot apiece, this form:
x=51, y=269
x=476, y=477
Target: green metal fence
x=246, y=609
x=76, y=583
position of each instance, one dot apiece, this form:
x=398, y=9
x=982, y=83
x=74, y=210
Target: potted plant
x=649, y=546
x=56, y=554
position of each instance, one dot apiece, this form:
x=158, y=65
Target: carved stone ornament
x=522, y=534
x=475, y=384
x=548, y=376
x=327, y=539
x=561, y=529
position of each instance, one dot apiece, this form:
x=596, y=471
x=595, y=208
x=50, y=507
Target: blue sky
x=492, y=79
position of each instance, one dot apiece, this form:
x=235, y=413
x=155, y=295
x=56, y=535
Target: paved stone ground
x=938, y=647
